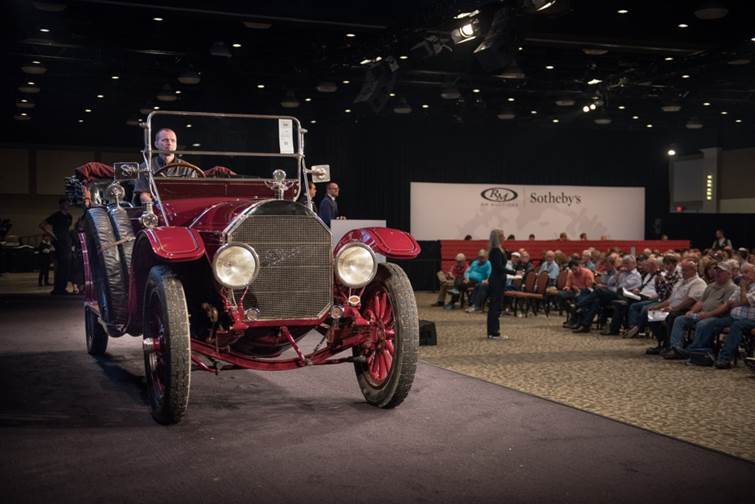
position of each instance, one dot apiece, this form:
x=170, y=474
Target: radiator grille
x=296, y=272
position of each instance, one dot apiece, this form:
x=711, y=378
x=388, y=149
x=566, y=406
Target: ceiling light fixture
x=403, y=107
x=506, y=114
x=351, y=35
x=348, y=110
x=602, y=120
x=671, y=152
x=593, y=106
x=260, y=86
x=178, y=91
x=29, y=89
x=533, y=112
x=188, y=125
x=555, y=121
x=87, y=110
x=593, y=82
x=671, y=107
x=710, y=10
x=622, y=11
x=196, y=144
x=236, y=45
x=24, y=104
x=723, y=112
x=345, y=82
x=513, y=72
x=327, y=87
x=391, y=94
x=22, y=117
x=621, y=107
x=189, y=77
x=475, y=90
x=307, y=99
x=158, y=19
x=683, y=25
x=738, y=121
x=80, y=121
x=100, y=96
x=648, y=125
x=549, y=67
x=668, y=58
x=403, y=57
x=313, y=121
x=706, y=104
x=450, y=93
x=586, y=109
x=425, y=106
x=115, y=77
x=44, y=30
x=510, y=99
x=635, y=117
x=686, y=76
x=34, y=68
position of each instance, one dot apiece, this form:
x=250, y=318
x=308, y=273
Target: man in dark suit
x=328, y=206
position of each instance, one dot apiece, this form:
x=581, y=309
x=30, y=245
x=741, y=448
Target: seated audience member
x=579, y=283
x=721, y=241
x=583, y=236
x=451, y=280
x=561, y=259
x=526, y=263
x=713, y=304
x=649, y=269
x=742, y=255
x=587, y=261
x=627, y=278
x=563, y=237
x=477, y=276
x=531, y=237
x=468, y=237
x=664, y=281
x=741, y=321
x=664, y=237
x=511, y=237
x=549, y=265
x=686, y=292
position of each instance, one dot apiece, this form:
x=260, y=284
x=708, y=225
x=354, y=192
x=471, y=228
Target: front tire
x=96, y=336
x=167, y=348
x=387, y=361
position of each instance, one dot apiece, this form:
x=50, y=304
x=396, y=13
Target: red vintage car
x=228, y=270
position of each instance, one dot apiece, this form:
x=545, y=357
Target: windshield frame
x=150, y=151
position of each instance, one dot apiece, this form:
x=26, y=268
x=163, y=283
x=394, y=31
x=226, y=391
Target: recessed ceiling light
x=196, y=144
x=100, y=96
x=738, y=121
x=80, y=121
x=685, y=76
x=706, y=104
x=114, y=77
x=178, y=91
x=24, y=100
x=533, y=112
x=345, y=82
x=621, y=107
x=260, y=86
x=24, y=114
x=669, y=58
x=403, y=57
x=391, y=94
x=511, y=99
x=44, y=30
x=155, y=108
x=351, y=35
x=671, y=152
x=683, y=25
x=87, y=110
x=188, y=125
x=555, y=121
x=592, y=82
x=752, y=39
x=425, y=105
x=475, y=90
x=236, y=45
x=635, y=117
x=622, y=11
x=648, y=125
x=723, y=112
x=348, y=111
x=365, y=61
x=158, y=19
x=549, y=67
x=313, y=121
x=586, y=108
x=520, y=48
x=307, y=99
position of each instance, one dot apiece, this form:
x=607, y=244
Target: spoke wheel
x=166, y=345
x=388, y=359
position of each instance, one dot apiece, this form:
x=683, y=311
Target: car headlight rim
x=247, y=281
x=367, y=275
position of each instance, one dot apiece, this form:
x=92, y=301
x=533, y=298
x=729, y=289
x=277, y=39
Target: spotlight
x=465, y=33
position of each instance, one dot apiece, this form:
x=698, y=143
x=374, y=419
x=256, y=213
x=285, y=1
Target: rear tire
x=167, y=346
x=388, y=360
x=96, y=336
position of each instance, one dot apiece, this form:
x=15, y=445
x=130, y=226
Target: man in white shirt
x=646, y=292
x=688, y=291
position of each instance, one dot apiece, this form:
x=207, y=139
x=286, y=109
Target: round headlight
x=355, y=265
x=235, y=265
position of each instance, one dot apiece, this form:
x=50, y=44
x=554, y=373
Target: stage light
x=465, y=33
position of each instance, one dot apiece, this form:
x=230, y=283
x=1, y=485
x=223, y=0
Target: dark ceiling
x=658, y=54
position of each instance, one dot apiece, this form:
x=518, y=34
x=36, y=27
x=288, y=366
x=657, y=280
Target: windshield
x=251, y=146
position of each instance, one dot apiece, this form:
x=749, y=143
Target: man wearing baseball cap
x=713, y=304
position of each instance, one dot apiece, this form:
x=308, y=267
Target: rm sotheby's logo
x=499, y=194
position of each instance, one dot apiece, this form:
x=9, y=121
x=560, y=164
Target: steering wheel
x=180, y=164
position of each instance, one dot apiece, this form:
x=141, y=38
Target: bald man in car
x=166, y=142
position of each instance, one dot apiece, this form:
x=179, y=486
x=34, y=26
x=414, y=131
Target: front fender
x=175, y=243
x=392, y=243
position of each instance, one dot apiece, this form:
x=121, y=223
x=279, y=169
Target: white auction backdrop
x=451, y=211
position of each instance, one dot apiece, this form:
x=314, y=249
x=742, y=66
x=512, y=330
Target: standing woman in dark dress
x=496, y=282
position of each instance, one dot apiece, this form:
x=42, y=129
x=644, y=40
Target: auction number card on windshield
x=286, y=136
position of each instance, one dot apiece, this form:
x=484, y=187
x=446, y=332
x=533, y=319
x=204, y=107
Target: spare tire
x=107, y=268
x=124, y=234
